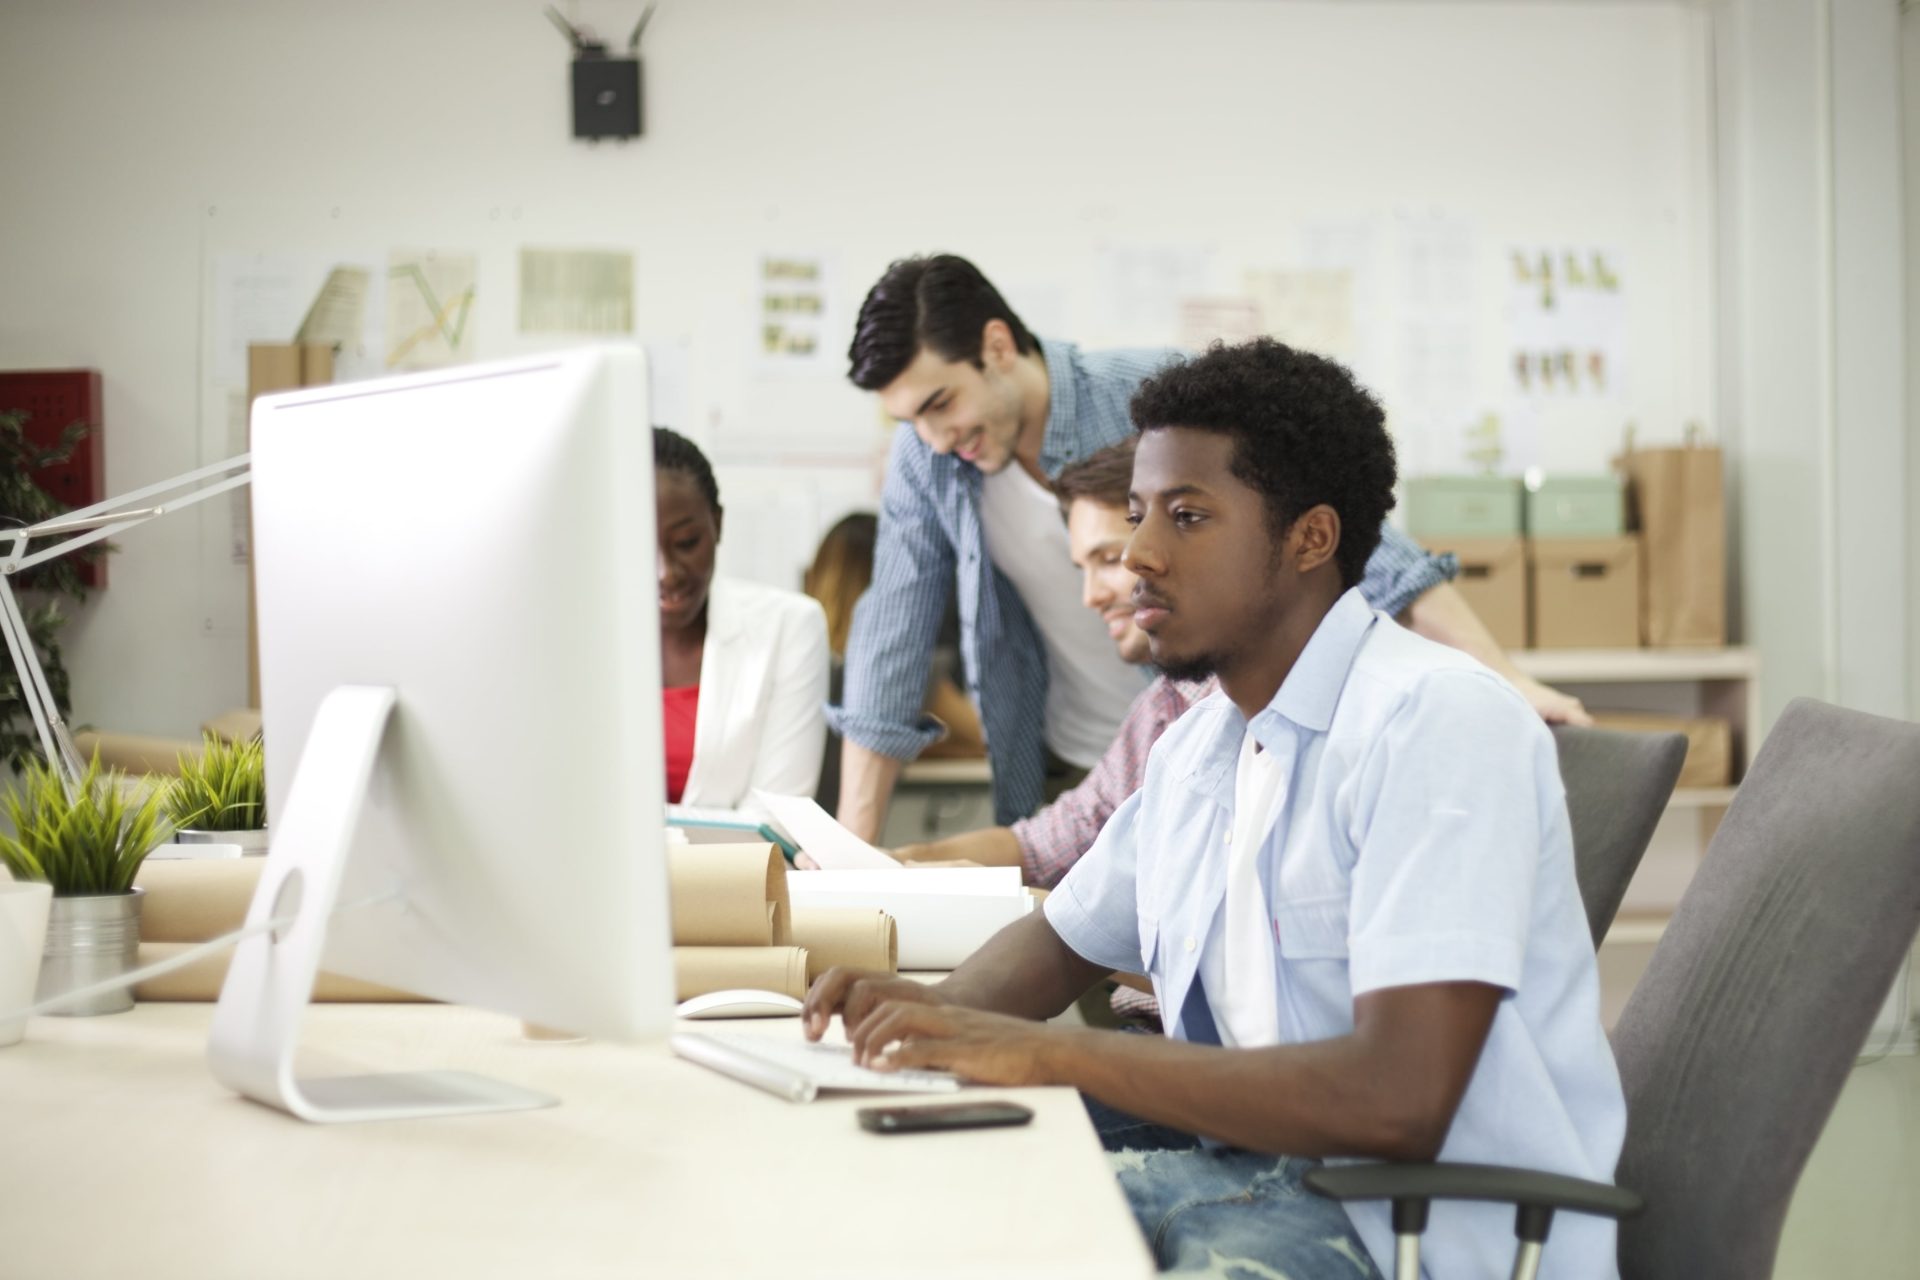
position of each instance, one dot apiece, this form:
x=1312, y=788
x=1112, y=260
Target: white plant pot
x=23, y=937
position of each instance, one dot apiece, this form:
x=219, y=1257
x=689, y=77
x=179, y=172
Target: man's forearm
x=1444, y=616
x=1324, y=1098
x=1389, y=1088
x=867, y=780
x=993, y=847
x=1024, y=970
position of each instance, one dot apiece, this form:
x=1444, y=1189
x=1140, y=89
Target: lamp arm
x=105, y=519
x=86, y=526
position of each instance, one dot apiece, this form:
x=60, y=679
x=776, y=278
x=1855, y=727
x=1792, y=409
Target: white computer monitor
x=460, y=682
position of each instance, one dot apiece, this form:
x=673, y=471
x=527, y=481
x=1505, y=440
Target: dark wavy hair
x=940, y=303
x=674, y=452
x=1304, y=432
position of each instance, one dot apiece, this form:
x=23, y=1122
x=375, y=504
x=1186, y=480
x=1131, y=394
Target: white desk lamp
x=77, y=529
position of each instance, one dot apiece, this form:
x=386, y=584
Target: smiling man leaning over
x=1349, y=875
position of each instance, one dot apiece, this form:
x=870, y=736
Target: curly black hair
x=941, y=303
x=674, y=452
x=1304, y=433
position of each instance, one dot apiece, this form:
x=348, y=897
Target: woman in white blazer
x=744, y=667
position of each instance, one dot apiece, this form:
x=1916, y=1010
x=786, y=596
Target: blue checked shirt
x=931, y=537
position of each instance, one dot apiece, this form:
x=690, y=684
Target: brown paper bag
x=1678, y=502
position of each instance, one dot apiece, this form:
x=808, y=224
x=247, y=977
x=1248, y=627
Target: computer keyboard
x=798, y=1070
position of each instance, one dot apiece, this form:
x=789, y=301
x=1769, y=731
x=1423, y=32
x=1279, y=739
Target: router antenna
x=567, y=29
x=633, y=41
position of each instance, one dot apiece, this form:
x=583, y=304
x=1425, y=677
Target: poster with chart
x=430, y=299
x=795, y=311
x=576, y=291
x=1204, y=321
x=1307, y=308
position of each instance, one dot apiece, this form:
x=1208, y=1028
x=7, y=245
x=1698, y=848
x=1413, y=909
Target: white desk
x=123, y=1157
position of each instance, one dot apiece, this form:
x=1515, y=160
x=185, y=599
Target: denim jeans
x=1220, y=1212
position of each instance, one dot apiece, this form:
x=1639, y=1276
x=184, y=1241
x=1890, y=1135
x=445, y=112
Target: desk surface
x=124, y=1157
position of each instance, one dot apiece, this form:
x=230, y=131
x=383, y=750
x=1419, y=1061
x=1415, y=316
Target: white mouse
x=738, y=1002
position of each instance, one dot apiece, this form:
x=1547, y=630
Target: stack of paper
x=943, y=914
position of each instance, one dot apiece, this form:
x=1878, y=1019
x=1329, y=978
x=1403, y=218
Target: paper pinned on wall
x=1142, y=286
x=576, y=291
x=1435, y=397
x=1308, y=308
x=257, y=297
x=796, y=303
x=430, y=301
x=1204, y=321
x=1566, y=320
x=668, y=402
x=338, y=314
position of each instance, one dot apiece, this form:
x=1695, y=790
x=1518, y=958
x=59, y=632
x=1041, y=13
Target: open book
x=824, y=840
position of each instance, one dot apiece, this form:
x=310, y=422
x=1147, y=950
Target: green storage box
x=1464, y=506
x=1577, y=507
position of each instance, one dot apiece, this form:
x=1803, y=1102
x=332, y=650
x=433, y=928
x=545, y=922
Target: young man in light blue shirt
x=1349, y=875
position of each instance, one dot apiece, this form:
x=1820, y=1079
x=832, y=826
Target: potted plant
x=221, y=797
x=87, y=841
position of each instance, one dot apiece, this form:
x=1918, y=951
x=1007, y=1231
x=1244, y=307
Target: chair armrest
x=1525, y=1188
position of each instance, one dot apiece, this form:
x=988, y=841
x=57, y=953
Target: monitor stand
x=256, y=1026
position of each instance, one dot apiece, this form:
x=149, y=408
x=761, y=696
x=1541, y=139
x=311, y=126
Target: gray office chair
x=1735, y=1045
x=1617, y=787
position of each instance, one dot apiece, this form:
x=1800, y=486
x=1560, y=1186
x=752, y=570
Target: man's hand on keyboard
x=988, y=1048
x=854, y=994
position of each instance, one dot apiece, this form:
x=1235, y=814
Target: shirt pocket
x=1312, y=928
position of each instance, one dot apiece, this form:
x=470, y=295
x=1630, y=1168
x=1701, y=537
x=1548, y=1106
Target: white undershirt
x=1237, y=965
x=1089, y=688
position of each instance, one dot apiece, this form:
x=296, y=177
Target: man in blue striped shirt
x=989, y=413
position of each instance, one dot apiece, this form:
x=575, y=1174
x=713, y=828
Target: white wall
x=1813, y=383
x=1028, y=135
x=1910, y=151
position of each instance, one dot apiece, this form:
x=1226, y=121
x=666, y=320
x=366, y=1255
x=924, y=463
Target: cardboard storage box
x=1577, y=507
x=1586, y=592
x=1709, y=761
x=1493, y=580
x=1464, y=506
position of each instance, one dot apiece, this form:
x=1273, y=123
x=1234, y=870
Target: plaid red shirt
x=1053, y=839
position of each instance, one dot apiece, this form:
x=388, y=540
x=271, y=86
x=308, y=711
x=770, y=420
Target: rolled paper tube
x=858, y=937
x=195, y=899
x=698, y=970
x=729, y=895
x=201, y=980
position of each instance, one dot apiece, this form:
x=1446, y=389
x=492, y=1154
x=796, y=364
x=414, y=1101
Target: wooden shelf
x=961, y=772
x=1702, y=797
x=1576, y=666
x=1642, y=929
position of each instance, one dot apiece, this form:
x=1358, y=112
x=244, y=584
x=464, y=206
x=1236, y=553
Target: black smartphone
x=946, y=1115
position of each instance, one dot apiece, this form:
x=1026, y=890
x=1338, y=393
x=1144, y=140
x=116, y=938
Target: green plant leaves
x=224, y=790
x=91, y=841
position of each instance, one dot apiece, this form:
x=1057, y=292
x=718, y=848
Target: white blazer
x=763, y=691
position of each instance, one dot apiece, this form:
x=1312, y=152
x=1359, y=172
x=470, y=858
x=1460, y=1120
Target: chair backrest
x=1734, y=1046
x=1617, y=786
